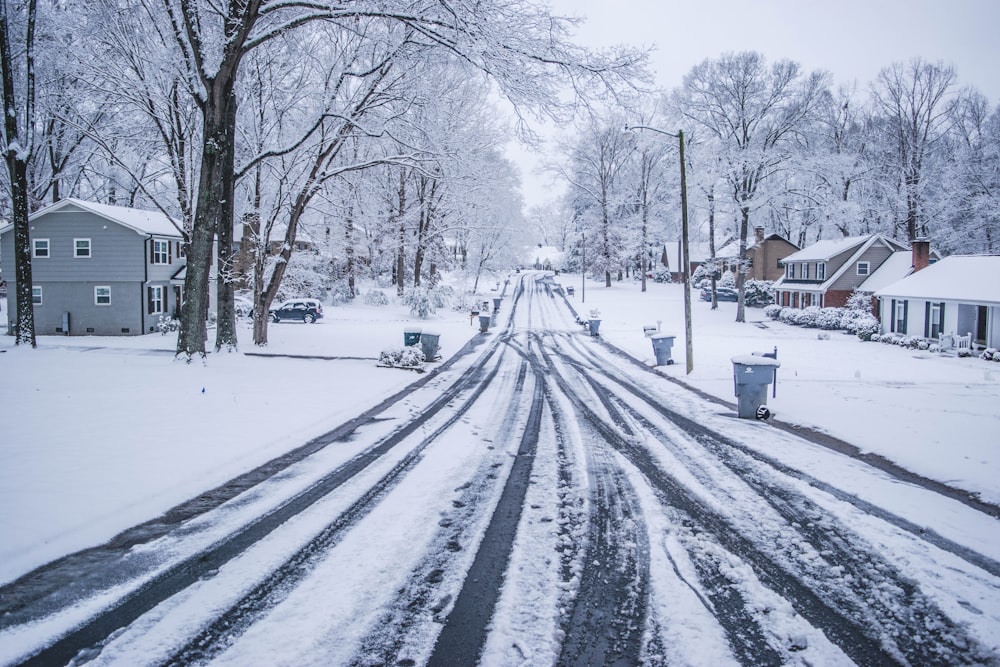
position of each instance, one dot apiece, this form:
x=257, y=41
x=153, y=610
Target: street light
x=686, y=269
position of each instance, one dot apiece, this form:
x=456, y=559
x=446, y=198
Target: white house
x=957, y=295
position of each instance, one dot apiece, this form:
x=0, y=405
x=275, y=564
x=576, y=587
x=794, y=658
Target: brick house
x=827, y=272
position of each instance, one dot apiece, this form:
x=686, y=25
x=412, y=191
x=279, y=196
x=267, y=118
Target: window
x=36, y=295
x=40, y=248
x=81, y=247
x=821, y=271
x=102, y=296
x=863, y=268
x=155, y=298
x=805, y=272
x=899, y=316
x=934, y=320
x=160, y=252
x=790, y=271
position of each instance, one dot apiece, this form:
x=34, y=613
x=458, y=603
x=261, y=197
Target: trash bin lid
x=431, y=333
x=412, y=330
x=754, y=360
x=661, y=336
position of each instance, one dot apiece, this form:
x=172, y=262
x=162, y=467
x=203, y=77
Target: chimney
x=758, y=233
x=921, y=254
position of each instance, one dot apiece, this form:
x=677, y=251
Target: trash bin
x=751, y=375
x=663, y=343
x=595, y=324
x=496, y=303
x=411, y=337
x=570, y=291
x=484, y=323
x=429, y=344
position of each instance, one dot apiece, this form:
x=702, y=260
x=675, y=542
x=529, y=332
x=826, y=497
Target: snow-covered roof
x=967, y=278
x=141, y=221
x=896, y=267
x=824, y=250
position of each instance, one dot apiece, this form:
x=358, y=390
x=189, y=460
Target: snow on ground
x=99, y=434
x=936, y=415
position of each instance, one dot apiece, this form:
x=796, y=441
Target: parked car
x=721, y=293
x=305, y=310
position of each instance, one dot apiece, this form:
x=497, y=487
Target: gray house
x=98, y=269
x=827, y=272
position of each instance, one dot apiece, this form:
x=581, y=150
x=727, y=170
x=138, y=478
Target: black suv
x=306, y=310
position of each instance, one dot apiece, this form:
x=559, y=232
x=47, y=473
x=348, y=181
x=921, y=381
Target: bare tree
x=915, y=101
x=18, y=61
x=754, y=112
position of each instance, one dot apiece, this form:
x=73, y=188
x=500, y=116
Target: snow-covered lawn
x=99, y=434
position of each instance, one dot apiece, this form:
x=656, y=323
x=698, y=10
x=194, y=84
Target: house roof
x=896, y=267
x=967, y=278
x=826, y=249
x=138, y=220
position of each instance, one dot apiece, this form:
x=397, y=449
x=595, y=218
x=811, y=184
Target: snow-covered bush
x=772, y=311
x=923, y=345
x=340, y=293
x=728, y=279
x=410, y=356
x=167, y=324
x=662, y=275
x=860, y=302
x=829, y=318
x=866, y=329
x=419, y=301
x=375, y=297
x=965, y=352
x=875, y=337
x=441, y=296
x=990, y=354
x=757, y=293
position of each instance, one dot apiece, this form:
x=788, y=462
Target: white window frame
x=820, y=270
x=935, y=319
x=77, y=248
x=36, y=289
x=805, y=271
x=161, y=256
x=867, y=271
x=35, y=245
x=790, y=271
x=102, y=292
x=899, y=317
x=157, y=299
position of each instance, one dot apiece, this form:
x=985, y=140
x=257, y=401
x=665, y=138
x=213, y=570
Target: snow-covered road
x=538, y=501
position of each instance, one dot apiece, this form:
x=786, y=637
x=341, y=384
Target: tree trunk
x=19, y=147
x=740, y=273
x=225, y=327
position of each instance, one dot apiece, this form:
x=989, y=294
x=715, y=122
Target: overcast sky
x=851, y=39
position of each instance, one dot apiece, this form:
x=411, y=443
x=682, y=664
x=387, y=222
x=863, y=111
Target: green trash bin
x=411, y=337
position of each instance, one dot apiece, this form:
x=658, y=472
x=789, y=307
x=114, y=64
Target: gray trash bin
x=751, y=375
x=496, y=303
x=429, y=344
x=663, y=343
x=595, y=325
x=484, y=323
x=411, y=336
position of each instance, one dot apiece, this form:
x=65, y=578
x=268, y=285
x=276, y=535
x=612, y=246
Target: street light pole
x=685, y=256
x=583, y=269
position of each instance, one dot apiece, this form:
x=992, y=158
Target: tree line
x=769, y=145
x=369, y=126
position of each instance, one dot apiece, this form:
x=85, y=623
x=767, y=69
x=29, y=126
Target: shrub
x=375, y=297
x=772, y=311
x=757, y=293
x=830, y=318
x=419, y=301
x=402, y=357
x=340, y=292
x=867, y=329
x=440, y=296
x=663, y=275
x=990, y=354
x=167, y=324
